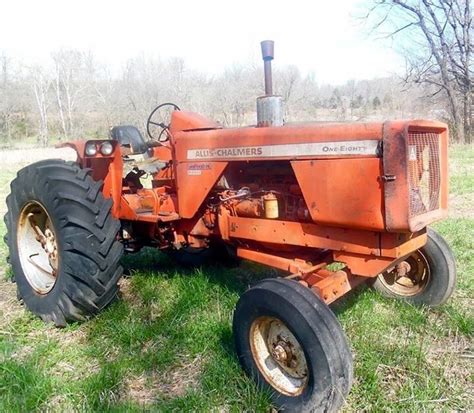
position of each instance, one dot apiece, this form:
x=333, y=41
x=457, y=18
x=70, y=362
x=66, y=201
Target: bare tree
x=287, y=80
x=70, y=82
x=41, y=84
x=6, y=107
x=440, y=52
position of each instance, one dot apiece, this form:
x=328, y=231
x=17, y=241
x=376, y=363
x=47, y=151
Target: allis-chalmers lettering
x=366, y=147
x=228, y=152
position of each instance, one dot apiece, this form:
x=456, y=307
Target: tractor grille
x=424, y=172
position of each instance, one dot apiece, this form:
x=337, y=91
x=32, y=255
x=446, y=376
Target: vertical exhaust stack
x=269, y=107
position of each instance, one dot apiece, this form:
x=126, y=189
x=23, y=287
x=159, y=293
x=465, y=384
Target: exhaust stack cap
x=267, y=55
x=269, y=107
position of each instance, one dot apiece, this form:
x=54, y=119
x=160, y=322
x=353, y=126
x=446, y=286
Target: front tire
x=62, y=242
x=290, y=342
x=430, y=275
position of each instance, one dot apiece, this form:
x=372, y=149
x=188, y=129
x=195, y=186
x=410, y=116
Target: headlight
x=91, y=149
x=106, y=148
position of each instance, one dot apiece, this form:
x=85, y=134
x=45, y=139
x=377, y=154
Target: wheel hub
x=37, y=247
x=51, y=247
x=403, y=269
x=278, y=355
x=409, y=277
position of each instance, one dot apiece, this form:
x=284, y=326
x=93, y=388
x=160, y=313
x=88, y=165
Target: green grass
x=461, y=170
x=167, y=344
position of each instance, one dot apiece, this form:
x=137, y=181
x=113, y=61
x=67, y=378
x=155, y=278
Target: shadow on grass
x=175, y=323
x=174, y=315
x=235, y=276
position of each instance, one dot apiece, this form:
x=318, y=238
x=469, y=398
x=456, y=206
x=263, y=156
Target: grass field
x=166, y=344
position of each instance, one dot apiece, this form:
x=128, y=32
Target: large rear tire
x=428, y=276
x=62, y=242
x=290, y=342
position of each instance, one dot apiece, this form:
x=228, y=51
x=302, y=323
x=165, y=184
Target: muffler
x=269, y=107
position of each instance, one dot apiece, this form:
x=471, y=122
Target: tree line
x=74, y=96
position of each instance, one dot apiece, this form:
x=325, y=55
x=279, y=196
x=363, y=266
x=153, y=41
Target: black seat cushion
x=129, y=136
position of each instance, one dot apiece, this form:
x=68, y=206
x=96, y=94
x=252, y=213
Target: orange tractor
x=296, y=197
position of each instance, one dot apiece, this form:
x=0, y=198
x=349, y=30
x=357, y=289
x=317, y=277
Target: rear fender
x=108, y=169
x=78, y=146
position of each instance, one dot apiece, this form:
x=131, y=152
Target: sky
x=319, y=37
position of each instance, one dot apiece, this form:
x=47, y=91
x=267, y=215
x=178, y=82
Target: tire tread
x=89, y=233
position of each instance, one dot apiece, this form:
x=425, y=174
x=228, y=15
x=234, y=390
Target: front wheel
x=290, y=342
x=426, y=277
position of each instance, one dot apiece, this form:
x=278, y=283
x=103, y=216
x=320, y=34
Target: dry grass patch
x=454, y=356
x=127, y=294
x=394, y=378
x=146, y=388
x=10, y=308
x=60, y=403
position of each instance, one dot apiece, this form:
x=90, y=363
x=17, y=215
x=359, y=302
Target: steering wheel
x=156, y=126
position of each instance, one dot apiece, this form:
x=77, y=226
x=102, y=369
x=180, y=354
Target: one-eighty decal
x=365, y=147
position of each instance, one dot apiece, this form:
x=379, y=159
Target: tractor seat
x=130, y=137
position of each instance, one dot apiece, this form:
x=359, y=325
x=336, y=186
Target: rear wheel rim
x=37, y=247
x=416, y=279
x=278, y=355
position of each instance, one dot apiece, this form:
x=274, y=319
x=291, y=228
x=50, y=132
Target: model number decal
x=365, y=147
x=195, y=169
